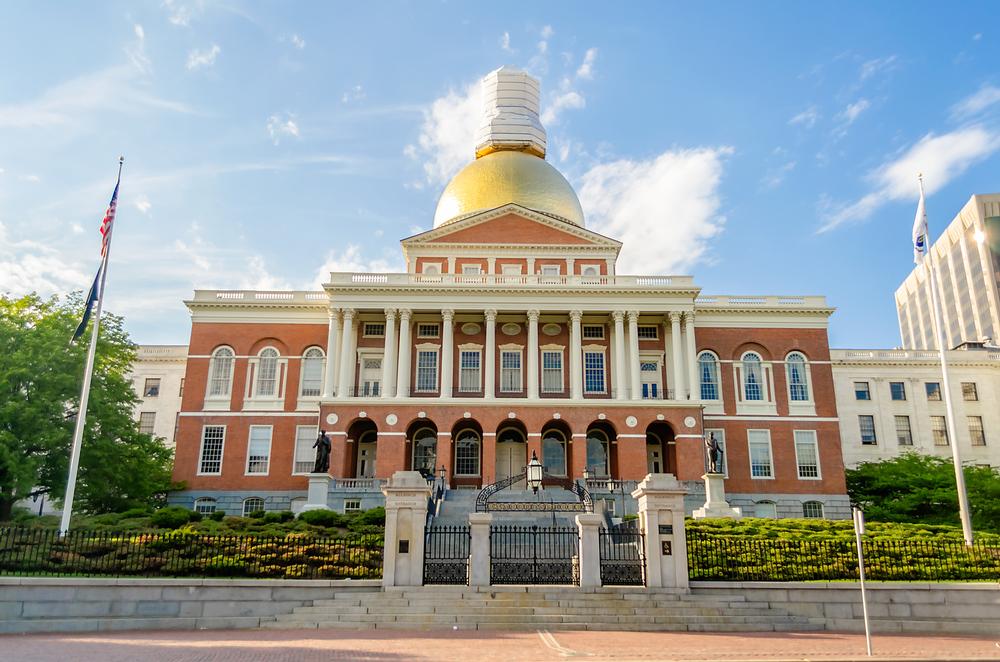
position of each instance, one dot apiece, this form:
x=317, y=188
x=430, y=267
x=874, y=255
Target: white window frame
x=974, y=391
x=590, y=271
x=720, y=436
x=894, y=399
x=432, y=268
x=352, y=506
x=654, y=327
x=258, y=371
x=302, y=371
x=471, y=350
x=656, y=359
x=909, y=429
x=146, y=384
x=718, y=376
x=868, y=391
x=517, y=351
x=479, y=453
x=809, y=438
x=201, y=451
x=250, y=439
x=583, y=331
x=765, y=502
x=511, y=270
x=944, y=430
x=822, y=509
x=366, y=334
x=764, y=406
x=981, y=430
x=435, y=349
x=770, y=453
x=200, y=505
x=554, y=349
x=368, y=354
x=564, y=444
x=861, y=432
x=472, y=270
x=431, y=433
x=550, y=270
x=423, y=330
x=252, y=396
x=220, y=400
x=595, y=349
x=152, y=424
x=296, y=459
x=243, y=505
x=805, y=407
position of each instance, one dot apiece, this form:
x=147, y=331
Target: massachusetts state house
x=510, y=334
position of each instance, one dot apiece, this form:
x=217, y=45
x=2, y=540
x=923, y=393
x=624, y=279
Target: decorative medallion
x=421, y=414
x=391, y=419
x=659, y=417
x=331, y=419
x=467, y=415
x=471, y=328
x=511, y=414
x=362, y=414
x=602, y=416
x=631, y=421
x=510, y=329
x=557, y=416
x=551, y=329
x=690, y=422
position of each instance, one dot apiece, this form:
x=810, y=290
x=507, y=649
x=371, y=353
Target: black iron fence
x=534, y=555
x=733, y=558
x=622, y=556
x=446, y=555
x=185, y=554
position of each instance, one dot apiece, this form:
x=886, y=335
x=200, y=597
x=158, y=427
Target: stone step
x=538, y=619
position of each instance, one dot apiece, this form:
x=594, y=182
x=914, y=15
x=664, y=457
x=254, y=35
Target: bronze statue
x=714, y=454
x=322, y=447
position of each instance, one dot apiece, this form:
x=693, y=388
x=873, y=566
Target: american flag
x=109, y=218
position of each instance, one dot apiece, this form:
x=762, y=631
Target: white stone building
x=158, y=379
x=890, y=401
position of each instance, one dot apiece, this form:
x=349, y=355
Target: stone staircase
x=458, y=504
x=542, y=607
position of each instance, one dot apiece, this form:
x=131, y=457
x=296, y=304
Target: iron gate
x=534, y=555
x=622, y=557
x=446, y=555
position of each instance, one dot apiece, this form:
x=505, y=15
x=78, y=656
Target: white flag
x=920, y=231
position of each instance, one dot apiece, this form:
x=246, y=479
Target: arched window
x=554, y=453
x=765, y=509
x=597, y=454
x=812, y=509
x=467, y=453
x=252, y=505
x=220, y=373
x=424, y=450
x=753, y=377
x=590, y=271
x=267, y=373
x=204, y=505
x=312, y=373
x=798, y=379
x=708, y=368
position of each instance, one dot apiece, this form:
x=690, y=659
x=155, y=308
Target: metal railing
x=446, y=555
x=622, y=558
x=184, y=554
x=741, y=558
x=534, y=555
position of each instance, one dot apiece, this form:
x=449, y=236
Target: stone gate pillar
x=406, y=496
x=661, y=517
x=589, y=525
x=479, y=549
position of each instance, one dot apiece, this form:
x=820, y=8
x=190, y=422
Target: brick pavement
x=463, y=646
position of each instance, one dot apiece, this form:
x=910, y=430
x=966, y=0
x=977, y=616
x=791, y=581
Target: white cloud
x=278, y=126
x=853, y=110
x=298, y=42
x=570, y=99
x=351, y=260
x=586, y=69
x=197, y=59
x=806, y=118
x=139, y=32
x=177, y=13
x=505, y=42
x=31, y=179
x=665, y=209
x=775, y=176
x=878, y=65
x=547, y=32
x=143, y=204
x=35, y=266
x=940, y=159
x=136, y=51
x=356, y=93
x=448, y=134
x=76, y=228
x=985, y=97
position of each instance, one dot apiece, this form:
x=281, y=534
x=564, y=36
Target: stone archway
x=511, y=451
x=661, y=453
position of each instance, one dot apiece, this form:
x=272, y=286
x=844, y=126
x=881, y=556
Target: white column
x=447, y=352
x=490, y=358
x=621, y=368
x=345, y=385
x=575, y=357
x=532, y=357
x=589, y=527
x=666, y=359
x=690, y=356
x=403, y=367
x=675, y=345
x=332, y=350
x=389, y=355
x=635, y=389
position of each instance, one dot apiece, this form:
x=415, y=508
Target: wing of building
x=511, y=333
x=158, y=379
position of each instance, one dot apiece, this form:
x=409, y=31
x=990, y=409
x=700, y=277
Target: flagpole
x=81, y=414
x=963, y=497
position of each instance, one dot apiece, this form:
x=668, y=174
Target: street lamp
x=534, y=471
x=587, y=475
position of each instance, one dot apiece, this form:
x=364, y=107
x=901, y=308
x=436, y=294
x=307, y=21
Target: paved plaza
x=309, y=645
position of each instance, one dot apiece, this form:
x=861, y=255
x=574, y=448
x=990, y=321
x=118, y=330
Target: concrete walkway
x=309, y=645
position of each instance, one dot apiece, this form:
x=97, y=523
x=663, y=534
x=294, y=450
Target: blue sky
x=765, y=148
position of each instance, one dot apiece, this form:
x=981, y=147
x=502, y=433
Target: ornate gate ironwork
x=584, y=503
x=622, y=557
x=446, y=555
x=534, y=555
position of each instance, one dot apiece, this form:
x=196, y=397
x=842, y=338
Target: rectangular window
x=467, y=456
x=807, y=454
x=897, y=390
x=812, y=510
x=649, y=377
x=867, y=425
x=469, y=370
x=720, y=437
x=976, y=432
x=969, y=392
x=861, y=391
x=259, y=450
x=933, y=391
x=939, y=430
x=305, y=456
x=428, y=330
x=510, y=371
x=593, y=331
x=152, y=387
x=147, y=420
x=511, y=269
x=552, y=372
x=650, y=332
x=903, y=433
x=352, y=505
x=760, y=454
x=427, y=370
x=213, y=438
x=593, y=372
x=471, y=270
x=550, y=269
x=374, y=329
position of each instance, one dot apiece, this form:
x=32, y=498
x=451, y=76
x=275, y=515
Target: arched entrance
x=601, y=462
x=511, y=451
x=364, y=434
x=467, y=446
x=422, y=436
x=556, y=436
x=661, y=457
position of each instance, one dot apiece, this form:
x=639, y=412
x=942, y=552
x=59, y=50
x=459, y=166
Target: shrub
x=172, y=517
x=257, y=514
x=326, y=518
x=133, y=513
x=373, y=517
x=217, y=515
x=277, y=516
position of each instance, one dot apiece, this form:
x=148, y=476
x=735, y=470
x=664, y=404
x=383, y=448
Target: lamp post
x=442, y=474
x=534, y=472
x=621, y=488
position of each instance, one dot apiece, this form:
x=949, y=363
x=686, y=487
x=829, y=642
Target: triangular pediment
x=511, y=225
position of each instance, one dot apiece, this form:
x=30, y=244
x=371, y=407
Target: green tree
x=921, y=489
x=40, y=378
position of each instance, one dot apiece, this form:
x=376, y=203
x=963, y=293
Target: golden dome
x=504, y=177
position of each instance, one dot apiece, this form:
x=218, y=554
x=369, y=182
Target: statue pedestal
x=319, y=488
x=715, y=500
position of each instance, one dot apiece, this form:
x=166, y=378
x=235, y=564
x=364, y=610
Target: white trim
x=302, y=373
x=201, y=450
x=770, y=453
x=471, y=348
x=803, y=419
x=380, y=433
x=630, y=436
x=512, y=348
x=229, y=414
x=427, y=347
x=815, y=444
x=594, y=349
x=270, y=439
x=692, y=436
x=295, y=449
